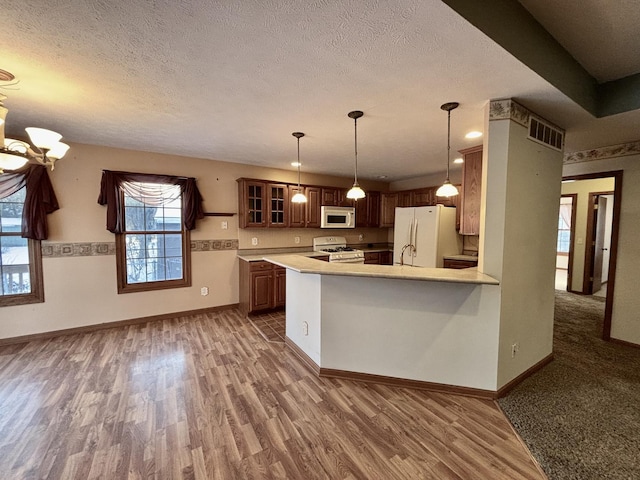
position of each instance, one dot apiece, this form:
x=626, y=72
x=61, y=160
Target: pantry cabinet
x=471, y=191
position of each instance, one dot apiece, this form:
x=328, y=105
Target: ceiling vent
x=545, y=133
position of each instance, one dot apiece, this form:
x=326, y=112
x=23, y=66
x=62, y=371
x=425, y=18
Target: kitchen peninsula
x=422, y=327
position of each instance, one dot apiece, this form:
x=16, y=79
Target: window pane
x=173, y=219
x=173, y=245
x=174, y=268
x=132, y=202
x=134, y=219
x=152, y=222
x=14, y=265
x=11, y=211
x=155, y=270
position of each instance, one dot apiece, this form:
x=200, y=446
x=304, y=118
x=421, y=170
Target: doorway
x=566, y=234
x=597, y=257
x=594, y=247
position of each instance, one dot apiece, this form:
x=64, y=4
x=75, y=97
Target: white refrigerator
x=425, y=235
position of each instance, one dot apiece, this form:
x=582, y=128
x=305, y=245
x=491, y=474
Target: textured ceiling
x=602, y=35
x=231, y=80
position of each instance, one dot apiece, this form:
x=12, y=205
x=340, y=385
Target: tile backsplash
x=286, y=237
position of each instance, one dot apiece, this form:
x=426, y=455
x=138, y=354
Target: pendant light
x=448, y=189
x=299, y=196
x=356, y=192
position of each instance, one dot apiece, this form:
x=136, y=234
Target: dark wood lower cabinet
x=263, y=286
x=378, y=258
x=372, y=258
x=459, y=264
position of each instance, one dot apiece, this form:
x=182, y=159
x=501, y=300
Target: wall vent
x=545, y=133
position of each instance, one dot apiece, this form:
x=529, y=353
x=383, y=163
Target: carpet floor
x=580, y=415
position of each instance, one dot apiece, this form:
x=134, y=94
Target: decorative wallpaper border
x=85, y=249
x=603, y=153
x=91, y=249
x=509, y=109
x=210, y=245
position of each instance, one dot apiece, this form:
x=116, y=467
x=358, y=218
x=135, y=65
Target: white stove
x=337, y=249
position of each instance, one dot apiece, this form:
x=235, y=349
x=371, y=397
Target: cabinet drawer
x=372, y=257
x=260, y=266
x=459, y=264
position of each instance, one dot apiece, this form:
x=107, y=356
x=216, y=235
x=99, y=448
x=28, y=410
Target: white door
x=403, y=234
x=425, y=237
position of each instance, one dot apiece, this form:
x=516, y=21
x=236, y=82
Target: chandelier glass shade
x=15, y=154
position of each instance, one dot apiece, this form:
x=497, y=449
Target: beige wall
x=625, y=322
x=521, y=192
x=582, y=188
x=82, y=291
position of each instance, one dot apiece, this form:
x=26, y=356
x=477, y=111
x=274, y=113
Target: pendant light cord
x=448, y=141
x=355, y=130
x=298, y=164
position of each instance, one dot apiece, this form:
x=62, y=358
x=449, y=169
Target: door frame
x=615, y=230
x=589, y=253
x=574, y=206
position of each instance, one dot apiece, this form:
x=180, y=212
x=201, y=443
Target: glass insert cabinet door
x=277, y=205
x=255, y=204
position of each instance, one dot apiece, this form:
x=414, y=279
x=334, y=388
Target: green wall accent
x=512, y=27
x=619, y=96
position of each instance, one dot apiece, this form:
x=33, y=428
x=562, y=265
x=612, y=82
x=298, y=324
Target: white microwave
x=338, y=217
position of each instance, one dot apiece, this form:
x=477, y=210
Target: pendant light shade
x=299, y=197
x=448, y=189
x=356, y=192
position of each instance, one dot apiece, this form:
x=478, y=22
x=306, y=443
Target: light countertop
x=307, y=264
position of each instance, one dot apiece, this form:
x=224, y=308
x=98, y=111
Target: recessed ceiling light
x=296, y=164
x=473, y=134
x=458, y=160
x=382, y=177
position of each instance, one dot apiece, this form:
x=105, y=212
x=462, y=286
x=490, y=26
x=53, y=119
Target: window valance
x=113, y=182
x=40, y=199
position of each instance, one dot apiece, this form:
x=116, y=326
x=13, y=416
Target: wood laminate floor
x=206, y=397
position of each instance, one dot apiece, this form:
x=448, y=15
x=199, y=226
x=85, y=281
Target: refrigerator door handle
x=414, y=238
x=411, y=245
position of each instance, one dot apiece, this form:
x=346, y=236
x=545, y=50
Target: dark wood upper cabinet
x=405, y=198
x=423, y=197
x=330, y=197
x=278, y=205
x=251, y=203
x=368, y=210
x=312, y=213
x=297, y=211
x=388, y=204
x=471, y=191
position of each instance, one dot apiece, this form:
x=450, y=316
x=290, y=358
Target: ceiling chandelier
x=448, y=189
x=299, y=196
x=356, y=192
x=14, y=154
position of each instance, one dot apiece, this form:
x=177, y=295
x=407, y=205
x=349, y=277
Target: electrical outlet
x=254, y=241
x=361, y=237
x=204, y=291
x=224, y=225
x=296, y=239
x=305, y=328
x=514, y=349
